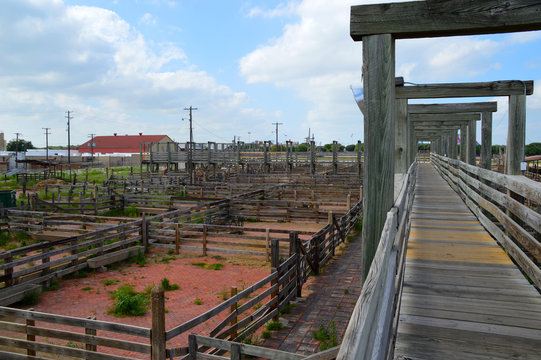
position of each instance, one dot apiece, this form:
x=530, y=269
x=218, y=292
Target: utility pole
x=277, y=123
x=17, y=149
x=69, y=117
x=191, y=132
x=92, y=147
x=47, y=144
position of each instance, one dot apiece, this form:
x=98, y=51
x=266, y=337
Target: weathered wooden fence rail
x=497, y=201
x=37, y=333
x=372, y=327
x=26, y=268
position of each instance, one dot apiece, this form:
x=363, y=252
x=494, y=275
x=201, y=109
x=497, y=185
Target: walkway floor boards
x=463, y=297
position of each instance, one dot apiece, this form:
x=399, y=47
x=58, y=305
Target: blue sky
x=130, y=66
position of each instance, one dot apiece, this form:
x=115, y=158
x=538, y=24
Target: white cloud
x=147, y=19
x=93, y=62
x=283, y=9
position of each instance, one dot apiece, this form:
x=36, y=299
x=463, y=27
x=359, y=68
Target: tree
x=496, y=149
x=280, y=148
x=23, y=145
x=350, y=147
x=533, y=149
x=301, y=148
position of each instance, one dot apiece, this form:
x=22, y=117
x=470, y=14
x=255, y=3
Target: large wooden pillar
x=379, y=124
x=486, y=140
x=463, y=143
x=401, y=163
x=412, y=146
x=470, y=138
x=516, y=134
x=452, y=145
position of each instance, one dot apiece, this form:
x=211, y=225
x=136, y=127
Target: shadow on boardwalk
x=329, y=297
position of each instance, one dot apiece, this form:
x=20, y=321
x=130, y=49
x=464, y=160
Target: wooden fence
x=26, y=268
x=498, y=202
x=33, y=333
x=372, y=327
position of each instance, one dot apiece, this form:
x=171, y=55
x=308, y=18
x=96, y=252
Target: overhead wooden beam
x=446, y=117
x=452, y=90
x=487, y=106
x=454, y=124
x=435, y=18
x=436, y=127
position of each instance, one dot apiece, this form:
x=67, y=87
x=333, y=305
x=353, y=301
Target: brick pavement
x=328, y=297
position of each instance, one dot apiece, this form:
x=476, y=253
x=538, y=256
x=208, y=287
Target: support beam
x=516, y=134
x=463, y=142
x=486, y=140
x=418, y=19
x=445, y=117
x=401, y=164
x=452, y=145
x=453, y=108
x=471, y=143
x=379, y=86
x=453, y=90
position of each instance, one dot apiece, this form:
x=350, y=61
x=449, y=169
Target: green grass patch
x=198, y=301
x=286, y=309
x=273, y=325
x=266, y=334
x=216, y=266
x=87, y=288
x=167, y=286
x=53, y=285
x=108, y=282
x=128, y=302
x=326, y=336
x=30, y=298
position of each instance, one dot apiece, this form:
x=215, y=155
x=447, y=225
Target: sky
x=130, y=66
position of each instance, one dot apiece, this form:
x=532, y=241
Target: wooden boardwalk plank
x=463, y=297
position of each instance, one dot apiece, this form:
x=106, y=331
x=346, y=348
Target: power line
x=277, y=123
x=69, y=117
x=47, y=143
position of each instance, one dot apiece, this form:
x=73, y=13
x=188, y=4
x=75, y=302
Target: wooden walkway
x=463, y=297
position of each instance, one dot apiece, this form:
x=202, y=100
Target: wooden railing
x=26, y=268
x=498, y=202
x=236, y=350
x=36, y=333
x=372, y=327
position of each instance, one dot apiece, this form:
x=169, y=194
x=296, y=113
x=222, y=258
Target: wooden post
x=144, y=232
x=294, y=249
x=329, y=220
x=232, y=309
x=29, y=337
x=192, y=347
x=158, y=324
x=379, y=122
x=486, y=140
x=204, y=240
x=401, y=163
x=516, y=134
x=275, y=262
x=452, y=145
x=177, y=239
x=470, y=152
x=348, y=202
x=335, y=157
x=236, y=351
x=92, y=332
x=359, y=157
x=267, y=245
x=463, y=145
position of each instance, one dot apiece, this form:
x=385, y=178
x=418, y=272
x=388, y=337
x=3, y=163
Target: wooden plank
x=453, y=90
x=453, y=108
x=444, y=18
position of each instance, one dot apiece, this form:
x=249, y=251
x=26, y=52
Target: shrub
x=202, y=265
x=326, y=337
x=273, y=325
x=266, y=334
x=128, y=302
x=30, y=298
x=108, y=282
x=198, y=301
x=167, y=286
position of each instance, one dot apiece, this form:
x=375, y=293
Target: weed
x=287, y=309
x=30, y=298
x=251, y=340
x=128, y=302
x=216, y=266
x=257, y=306
x=224, y=293
x=266, y=334
x=170, y=252
x=78, y=274
x=166, y=259
x=87, y=288
x=71, y=344
x=346, y=291
x=108, y=282
x=326, y=336
x=52, y=286
x=273, y=325
x=198, y=301
x=167, y=286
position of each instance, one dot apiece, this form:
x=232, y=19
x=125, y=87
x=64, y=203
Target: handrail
x=372, y=327
x=521, y=225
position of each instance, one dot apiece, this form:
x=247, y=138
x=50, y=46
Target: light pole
x=92, y=147
x=47, y=144
x=17, y=149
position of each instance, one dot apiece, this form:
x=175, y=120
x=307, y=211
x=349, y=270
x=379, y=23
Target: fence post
x=267, y=245
x=236, y=352
x=275, y=262
x=157, y=338
x=348, y=205
x=29, y=337
x=294, y=247
x=232, y=310
x=177, y=240
x=204, y=240
x=192, y=347
x=144, y=232
x=91, y=347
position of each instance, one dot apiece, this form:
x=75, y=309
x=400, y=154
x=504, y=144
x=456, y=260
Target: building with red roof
x=127, y=144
